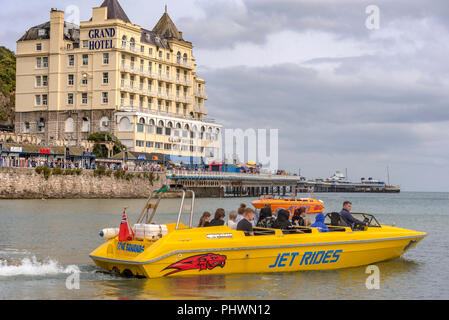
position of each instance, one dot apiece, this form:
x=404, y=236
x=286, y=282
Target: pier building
x=111, y=75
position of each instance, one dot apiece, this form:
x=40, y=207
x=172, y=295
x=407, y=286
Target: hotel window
x=85, y=43
x=150, y=51
x=122, y=99
x=142, y=49
x=70, y=81
x=177, y=108
x=84, y=81
x=158, y=145
x=27, y=127
x=141, y=84
x=131, y=81
x=185, y=58
x=185, y=75
x=167, y=106
x=44, y=100
x=168, y=56
x=185, y=110
x=123, y=80
x=105, y=77
x=45, y=62
x=38, y=81
x=167, y=71
x=132, y=62
x=167, y=88
x=150, y=84
x=185, y=92
x=45, y=81
x=105, y=58
x=70, y=98
x=39, y=47
x=160, y=128
x=159, y=87
x=177, y=74
x=85, y=59
x=105, y=98
x=141, y=101
x=124, y=42
x=178, y=57
x=150, y=67
x=69, y=46
x=39, y=63
x=140, y=143
x=84, y=98
x=131, y=99
x=149, y=102
x=141, y=65
x=167, y=146
x=160, y=69
x=123, y=59
x=38, y=100
x=160, y=54
x=141, y=125
x=71, y=60
x=150, y=144
x=168, y=131
x=132, y=44
x=159, y=105
x=151, y=126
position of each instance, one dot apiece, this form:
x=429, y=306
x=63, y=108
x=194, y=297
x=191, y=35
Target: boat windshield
x=333, y=219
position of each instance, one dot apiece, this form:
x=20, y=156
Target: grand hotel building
x=110, y=75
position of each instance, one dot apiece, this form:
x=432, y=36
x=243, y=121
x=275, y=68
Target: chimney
x=56, y=30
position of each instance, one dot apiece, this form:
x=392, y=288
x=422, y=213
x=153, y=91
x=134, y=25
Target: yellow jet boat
x=180, y=250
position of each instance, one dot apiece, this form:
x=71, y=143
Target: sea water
x=44, y=248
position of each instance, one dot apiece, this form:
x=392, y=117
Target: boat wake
x=33, y=267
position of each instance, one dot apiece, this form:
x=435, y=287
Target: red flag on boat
x=126, y=233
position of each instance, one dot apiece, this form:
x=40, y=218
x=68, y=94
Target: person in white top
x=232, y=220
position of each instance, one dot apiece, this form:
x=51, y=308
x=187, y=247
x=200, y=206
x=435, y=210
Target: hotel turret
x=110, y=75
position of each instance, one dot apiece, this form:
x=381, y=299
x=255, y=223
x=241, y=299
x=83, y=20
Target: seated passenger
x=231, y=222
x=282, y=221
x=218, y=218
x=319, y=223
x=299, y=218
x=245, y=224
x=240, y=212
x=347, y=217
x=266, y=219
x=204, y=220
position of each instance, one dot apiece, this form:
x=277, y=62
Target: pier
x=227, y=184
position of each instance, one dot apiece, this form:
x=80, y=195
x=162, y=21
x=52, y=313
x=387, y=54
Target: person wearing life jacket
x=319, y=223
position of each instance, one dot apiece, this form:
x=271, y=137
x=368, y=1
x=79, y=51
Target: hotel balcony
x=200, y=94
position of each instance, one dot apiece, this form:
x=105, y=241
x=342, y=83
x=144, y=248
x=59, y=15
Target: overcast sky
x=342, y=96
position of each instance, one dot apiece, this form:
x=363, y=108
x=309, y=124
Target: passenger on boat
x=265, y=212
x=267, y=221
x=218, y=218
x=347, y=217
x=283, y=220
x=299, y=219
x=231, y=222
x=240, y=212
x=319, y=223
x=204, y=220
x=245, y=224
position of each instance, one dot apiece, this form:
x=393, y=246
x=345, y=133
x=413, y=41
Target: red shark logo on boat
x=202, y=262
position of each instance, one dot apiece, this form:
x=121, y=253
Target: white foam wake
x=32, y=267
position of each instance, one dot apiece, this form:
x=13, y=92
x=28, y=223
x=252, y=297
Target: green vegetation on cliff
x=7, y=84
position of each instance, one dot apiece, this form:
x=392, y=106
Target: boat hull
x=240, y=254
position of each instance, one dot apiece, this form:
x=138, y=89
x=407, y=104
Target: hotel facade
x=110, y=75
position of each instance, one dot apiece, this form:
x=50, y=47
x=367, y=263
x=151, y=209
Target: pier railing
x=184, y=174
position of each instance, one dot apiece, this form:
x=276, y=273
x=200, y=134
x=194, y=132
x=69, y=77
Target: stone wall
x=19, y=183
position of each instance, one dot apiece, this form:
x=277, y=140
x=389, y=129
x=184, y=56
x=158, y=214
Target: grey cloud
x=225, y=25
